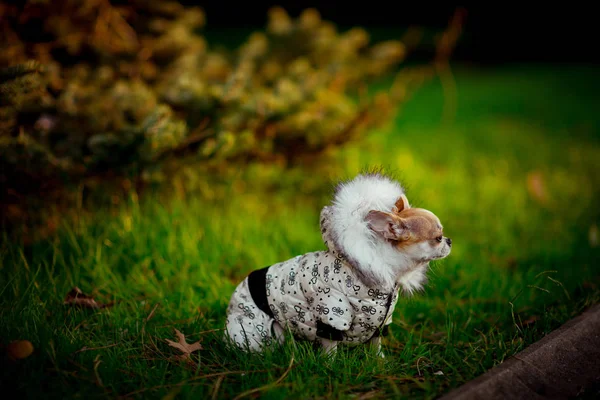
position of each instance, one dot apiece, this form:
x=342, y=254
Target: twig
x=85, y=348
x=77, y=365
x=539, y=288
x=208, y=331
x=217, y=387
x=546, y=272
x=151, y=313
x=418, y=370
x=483, y=336
x=178, y=321
x=512, y=312
x=449, y=91
x=73, y=375
x=189, y=381
x=445, y=46
x=267, y=386
x=97, y=362
x=449, y=38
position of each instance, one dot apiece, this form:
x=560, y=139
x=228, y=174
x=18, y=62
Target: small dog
x=377, y=246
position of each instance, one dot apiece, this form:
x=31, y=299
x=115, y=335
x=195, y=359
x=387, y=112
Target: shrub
x=95, y=88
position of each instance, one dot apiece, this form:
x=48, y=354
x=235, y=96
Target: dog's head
x=372, y=226
x=416, y=232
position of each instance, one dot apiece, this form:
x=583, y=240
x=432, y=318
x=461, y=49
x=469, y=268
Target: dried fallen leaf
x=530, y=321
x=78, y=298
x=184, y=346
x=19, y=349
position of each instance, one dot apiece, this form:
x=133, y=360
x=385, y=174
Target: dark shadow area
x=493, y=34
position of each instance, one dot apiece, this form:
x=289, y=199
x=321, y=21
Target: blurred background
x=183, y=56
x=155, y=152
x=492, y=34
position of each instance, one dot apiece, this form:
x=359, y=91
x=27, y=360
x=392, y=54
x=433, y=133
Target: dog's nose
x=449, y=241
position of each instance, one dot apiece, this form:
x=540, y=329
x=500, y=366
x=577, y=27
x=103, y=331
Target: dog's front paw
x=375, y=344
x=329, y=347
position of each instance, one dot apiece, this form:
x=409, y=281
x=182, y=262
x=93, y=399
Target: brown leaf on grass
x=77, y=298
x=530, y=321
x=183, y=346
x=19, y=349
x=537, y=187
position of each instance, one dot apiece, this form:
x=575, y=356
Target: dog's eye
x=439, y=238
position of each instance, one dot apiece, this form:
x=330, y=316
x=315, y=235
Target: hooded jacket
x=348, y=292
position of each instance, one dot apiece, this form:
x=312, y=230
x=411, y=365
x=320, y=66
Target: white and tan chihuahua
x=377, y=246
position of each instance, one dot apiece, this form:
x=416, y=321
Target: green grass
x=520, y=265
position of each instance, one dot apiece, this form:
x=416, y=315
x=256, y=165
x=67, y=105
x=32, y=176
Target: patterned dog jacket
x=316, y=295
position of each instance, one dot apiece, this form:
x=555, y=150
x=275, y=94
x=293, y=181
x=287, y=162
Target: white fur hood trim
x=346, y=231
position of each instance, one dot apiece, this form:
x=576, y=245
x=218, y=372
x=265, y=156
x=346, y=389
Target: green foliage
x=107, y=88
x=522, y=264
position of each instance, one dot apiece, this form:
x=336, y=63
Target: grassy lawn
x=513, y=176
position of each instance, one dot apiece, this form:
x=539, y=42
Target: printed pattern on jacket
x=320, y=290
x=315, y=295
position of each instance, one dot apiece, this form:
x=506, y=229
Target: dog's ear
x=401, y=204
x=387, y=225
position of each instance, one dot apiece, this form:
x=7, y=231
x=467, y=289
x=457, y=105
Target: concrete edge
x=563, y=364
